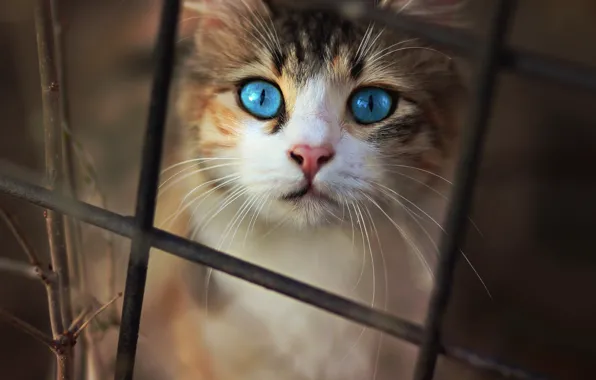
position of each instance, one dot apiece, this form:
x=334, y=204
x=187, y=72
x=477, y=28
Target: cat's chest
x=286, y=332
x=339, y=259
x=281, y=335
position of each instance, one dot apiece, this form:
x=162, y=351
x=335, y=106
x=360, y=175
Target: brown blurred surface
x=534, y=203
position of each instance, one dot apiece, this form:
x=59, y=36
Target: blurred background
x=534, y=202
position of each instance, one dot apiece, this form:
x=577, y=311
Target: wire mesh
x=494, y=57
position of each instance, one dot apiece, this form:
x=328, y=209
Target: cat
x=317, y=147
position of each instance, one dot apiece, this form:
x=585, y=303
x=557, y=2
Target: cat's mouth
x=297, y=194
x=307, y=191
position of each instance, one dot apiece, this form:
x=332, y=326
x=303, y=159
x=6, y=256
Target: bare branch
x=27, y=328
x=72, y=226
x=75, y=322
x=78, y=331
x=59, y=297
x=18, y=234
x=45, y=276
x=17, y=267
x=53, y=152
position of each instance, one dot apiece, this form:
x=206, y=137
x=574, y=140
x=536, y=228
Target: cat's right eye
x=261, y=99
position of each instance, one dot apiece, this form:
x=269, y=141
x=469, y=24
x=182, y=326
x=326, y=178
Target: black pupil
x=371, y=104
x=262, y=97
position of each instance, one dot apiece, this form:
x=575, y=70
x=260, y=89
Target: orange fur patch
x=288, y=88
x=223, y=119
x=208, y=148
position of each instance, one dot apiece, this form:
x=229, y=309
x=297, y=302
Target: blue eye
x=371, y=105
x=261, y=99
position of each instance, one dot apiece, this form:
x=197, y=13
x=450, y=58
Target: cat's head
x=312, y=114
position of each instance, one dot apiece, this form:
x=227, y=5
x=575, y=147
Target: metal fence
x=492, y=56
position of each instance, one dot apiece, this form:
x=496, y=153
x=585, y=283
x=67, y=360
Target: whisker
x=227, y=201
x=277, y=225
x=378, y=55
x=414, y=168
x=224, y=178
x=267, y=30
x=363, y=245
x=177, y=174
x=411, y=48
x=385, y=276
x=405, y=6
x=365, y=229
x=238, y=188
x=265, y=40
x=428, y=235
x=182, y=208
x=253, y=220
x=443, y=196
x=403, y=233
x=362, y=223
x=410, y=202
x=187, y=175
x=231, y=223
x=353, y=246
x=225, y=194
x=476, y=227
x=249, y=206
x=196, y=160
x=364, y=40
x=422, y=183
x=476, y=273
x=372, y=44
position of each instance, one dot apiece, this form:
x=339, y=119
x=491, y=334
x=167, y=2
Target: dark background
x=534, y=202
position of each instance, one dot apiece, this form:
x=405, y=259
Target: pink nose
x=310, y=158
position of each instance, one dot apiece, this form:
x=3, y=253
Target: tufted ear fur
x=443, y=12
x=216, y=19
x=215, y=12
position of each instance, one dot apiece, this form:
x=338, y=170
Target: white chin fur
x=303, y=213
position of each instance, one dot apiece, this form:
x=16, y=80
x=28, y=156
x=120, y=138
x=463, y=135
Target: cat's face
x=307, y=116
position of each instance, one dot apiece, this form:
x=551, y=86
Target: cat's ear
x=220, y=8
x=216, y=14
x=218, y=26
x=443, y=12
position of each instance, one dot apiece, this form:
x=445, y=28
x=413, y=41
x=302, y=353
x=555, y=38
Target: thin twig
x=17, y=267
x=78, y=319
x=18, y=234
x=94, y=315
x=45, y=276
x=27, y=328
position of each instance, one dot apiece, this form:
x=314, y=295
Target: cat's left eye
x=261, y=99
x=371, y=105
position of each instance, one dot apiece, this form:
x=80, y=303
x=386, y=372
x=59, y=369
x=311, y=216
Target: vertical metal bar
x=464, y=187
x=147, y=191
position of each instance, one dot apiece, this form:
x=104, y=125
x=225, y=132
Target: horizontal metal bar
x=198, y=253
x=449, y=38
x=512, y=59
x=544, y=67
x=10, y=184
